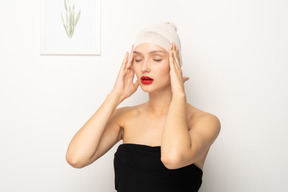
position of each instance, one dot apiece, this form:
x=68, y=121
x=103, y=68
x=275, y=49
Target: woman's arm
x=179, y=146
x=85, y=142
x=101, y=131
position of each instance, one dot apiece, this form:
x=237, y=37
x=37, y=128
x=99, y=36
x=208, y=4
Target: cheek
x=166, y=68
x=165, y=71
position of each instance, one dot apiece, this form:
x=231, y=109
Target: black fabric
x=138, y=168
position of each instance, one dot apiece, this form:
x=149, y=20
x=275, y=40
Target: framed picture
x=70, y=27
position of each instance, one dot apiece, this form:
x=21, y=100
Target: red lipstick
x=146, y=80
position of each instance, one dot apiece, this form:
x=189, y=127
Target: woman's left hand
x=176, y=78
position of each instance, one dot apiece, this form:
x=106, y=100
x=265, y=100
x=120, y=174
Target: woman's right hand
x=124, y=86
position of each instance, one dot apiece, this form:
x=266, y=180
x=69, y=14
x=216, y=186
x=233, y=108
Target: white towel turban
x=162, y=34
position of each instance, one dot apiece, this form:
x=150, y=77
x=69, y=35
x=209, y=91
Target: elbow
x=74, y=162
x=171, y=162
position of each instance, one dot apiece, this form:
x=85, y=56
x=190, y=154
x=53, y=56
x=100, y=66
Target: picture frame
x=70, y=27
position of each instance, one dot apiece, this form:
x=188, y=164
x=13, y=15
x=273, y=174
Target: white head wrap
x=162, y=34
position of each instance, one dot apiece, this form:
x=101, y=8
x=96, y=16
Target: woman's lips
x=146, y=80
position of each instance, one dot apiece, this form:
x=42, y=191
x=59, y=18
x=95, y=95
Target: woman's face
x=151, y=66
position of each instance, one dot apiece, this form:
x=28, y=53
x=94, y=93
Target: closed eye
x=157, y=60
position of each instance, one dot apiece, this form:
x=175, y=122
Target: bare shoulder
x=126, y=113
x=199, y=119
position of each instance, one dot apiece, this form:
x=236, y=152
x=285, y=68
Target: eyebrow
x=152, y=52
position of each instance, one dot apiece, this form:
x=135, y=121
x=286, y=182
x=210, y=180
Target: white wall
x=235, y=53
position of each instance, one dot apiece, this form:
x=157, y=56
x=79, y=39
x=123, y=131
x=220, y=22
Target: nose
x=145, y=68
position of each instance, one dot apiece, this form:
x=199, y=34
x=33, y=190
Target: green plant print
x=71, y=19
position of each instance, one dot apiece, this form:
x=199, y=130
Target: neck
x=159, y=102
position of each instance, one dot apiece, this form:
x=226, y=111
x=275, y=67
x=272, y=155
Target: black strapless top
x=138, y=168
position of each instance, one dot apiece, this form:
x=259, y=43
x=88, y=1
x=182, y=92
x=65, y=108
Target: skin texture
x=184, y=132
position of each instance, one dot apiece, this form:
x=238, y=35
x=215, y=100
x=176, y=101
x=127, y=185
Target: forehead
x=149, y=48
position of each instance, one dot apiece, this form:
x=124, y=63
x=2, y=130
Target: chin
x=147, y=89
x=151, y=88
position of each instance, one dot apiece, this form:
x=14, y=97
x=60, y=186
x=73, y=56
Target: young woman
x=165, y=140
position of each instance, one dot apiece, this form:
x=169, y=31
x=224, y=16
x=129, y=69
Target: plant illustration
x=71, y=19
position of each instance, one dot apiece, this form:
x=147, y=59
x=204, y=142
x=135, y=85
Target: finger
x=130, y=61
x=124, y=62
x=171, y=60
x=176, y=50
x=171, y=57
x=185, y=79
x=175, y=61
x=176, y=56
x=171, y=49
x=129, y=78
x=136, y=84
